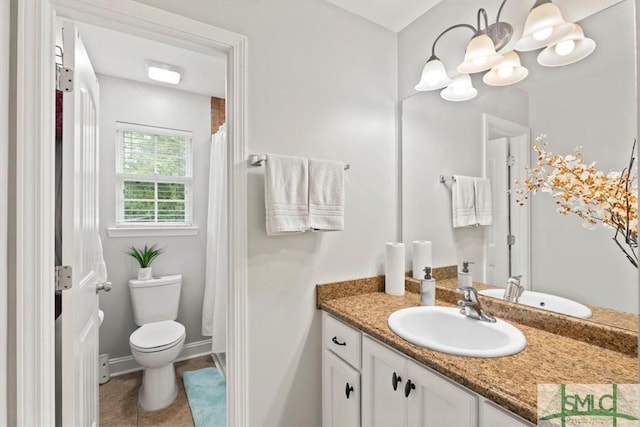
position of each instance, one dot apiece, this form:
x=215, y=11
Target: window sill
x=150, y=231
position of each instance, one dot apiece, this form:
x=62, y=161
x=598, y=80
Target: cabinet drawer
x=341, y=339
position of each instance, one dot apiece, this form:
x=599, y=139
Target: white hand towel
x=326, y=195
x=462, y=202
x=286, y=186
x=484, y=210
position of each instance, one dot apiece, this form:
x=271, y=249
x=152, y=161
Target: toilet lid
x=157, y=334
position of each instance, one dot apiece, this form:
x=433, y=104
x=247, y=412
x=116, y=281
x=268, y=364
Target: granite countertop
x=511, y=381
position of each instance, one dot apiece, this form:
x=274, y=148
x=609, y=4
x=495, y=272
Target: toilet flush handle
x=105, y=286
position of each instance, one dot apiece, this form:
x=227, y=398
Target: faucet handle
x=515, y=279
x=470, y=293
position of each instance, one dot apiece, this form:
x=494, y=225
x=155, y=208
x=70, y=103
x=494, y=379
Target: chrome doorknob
x=106, y=286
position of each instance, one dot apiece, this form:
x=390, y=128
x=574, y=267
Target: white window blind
x=154, y=176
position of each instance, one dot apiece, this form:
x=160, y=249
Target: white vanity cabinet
x=365, y=383
x=494, y=416
x=341, y=356
x=399, y=392
x=384, y=376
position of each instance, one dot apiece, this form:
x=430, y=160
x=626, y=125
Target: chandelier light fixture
x=563, y=42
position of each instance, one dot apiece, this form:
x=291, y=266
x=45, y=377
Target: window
x=154, y=176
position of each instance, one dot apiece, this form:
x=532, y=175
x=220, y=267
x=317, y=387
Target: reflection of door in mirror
x=506, y=241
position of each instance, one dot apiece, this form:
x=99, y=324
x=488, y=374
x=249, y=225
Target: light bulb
x=504, y=72
x=543, y=34
x=459, y=89
x=565, y=47
x=479, y=61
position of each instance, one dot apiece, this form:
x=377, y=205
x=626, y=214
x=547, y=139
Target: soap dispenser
x=427, y=288
x=464, y=277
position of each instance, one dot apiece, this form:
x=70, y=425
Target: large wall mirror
x=591, y=103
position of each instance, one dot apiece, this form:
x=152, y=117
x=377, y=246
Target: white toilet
x=158, y=340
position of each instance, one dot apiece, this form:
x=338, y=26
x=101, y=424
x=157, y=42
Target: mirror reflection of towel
x=462, y=201
x=483, y=208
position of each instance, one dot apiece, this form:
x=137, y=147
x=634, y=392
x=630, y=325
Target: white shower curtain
x=214, y=309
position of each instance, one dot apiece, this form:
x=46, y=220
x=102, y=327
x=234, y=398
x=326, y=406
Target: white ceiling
x=392, y=14
x=122, y=55
x=398, y=14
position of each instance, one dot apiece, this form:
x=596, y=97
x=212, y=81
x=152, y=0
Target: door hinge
x=64, y=276
x=511, y=160
x=65, y=80
x=511, y=240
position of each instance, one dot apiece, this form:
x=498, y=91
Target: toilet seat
x=157, y=336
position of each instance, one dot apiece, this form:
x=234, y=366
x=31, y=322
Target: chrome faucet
x=514, y=289
x=471, y=306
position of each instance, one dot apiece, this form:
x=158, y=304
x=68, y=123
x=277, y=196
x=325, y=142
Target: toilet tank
x=156, y=299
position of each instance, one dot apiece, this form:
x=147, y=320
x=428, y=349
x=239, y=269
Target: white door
x=340, y=393
x=79, y=237
x=434, y=401
x=497, y=250
x=383, y=386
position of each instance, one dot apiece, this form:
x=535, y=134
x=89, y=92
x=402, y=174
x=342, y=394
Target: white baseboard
x=127, y=364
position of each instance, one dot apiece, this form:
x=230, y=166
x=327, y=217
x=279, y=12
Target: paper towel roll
x=394, y=269
x=422, y=257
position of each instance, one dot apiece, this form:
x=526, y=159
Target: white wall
x=594, y=105
x=322, y=83
x=133, y=102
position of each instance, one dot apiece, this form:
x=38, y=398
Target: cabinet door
x=492, y=416
x=340, y=393
x=437, y=402
x=383, y=380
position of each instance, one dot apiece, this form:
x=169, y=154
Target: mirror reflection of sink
x=546, y=302
x=446, y=330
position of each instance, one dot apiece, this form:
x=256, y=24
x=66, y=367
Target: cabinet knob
x=395, y=379
x=348, y=389
x=408, y=387
x=336, y=342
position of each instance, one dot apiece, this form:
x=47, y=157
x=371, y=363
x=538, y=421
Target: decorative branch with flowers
x=579, y=188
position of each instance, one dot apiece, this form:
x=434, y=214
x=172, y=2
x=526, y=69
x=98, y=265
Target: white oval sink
x=446, y=330
x=546, y=302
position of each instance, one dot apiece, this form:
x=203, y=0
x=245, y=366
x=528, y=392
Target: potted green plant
x=144, y=257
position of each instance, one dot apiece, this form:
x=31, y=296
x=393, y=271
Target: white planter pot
x=144, y=273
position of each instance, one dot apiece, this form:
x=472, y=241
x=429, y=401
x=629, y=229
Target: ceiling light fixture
x=460, y=89
x=162, y=72
x=545, y=27
x=572, y=48
x=509, y=71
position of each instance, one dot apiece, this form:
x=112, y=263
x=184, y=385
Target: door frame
x=5, y=25
x=34, y=207
x=492, y=124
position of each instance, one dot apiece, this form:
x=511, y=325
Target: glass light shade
x=560, y=54
x=480, y=55
x=460, y=89
x=509, y=71
x=434, y=76
x=544, y=26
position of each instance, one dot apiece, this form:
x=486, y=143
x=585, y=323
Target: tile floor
x=119, y=400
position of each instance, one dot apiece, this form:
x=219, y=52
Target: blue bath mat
x=206, y=393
